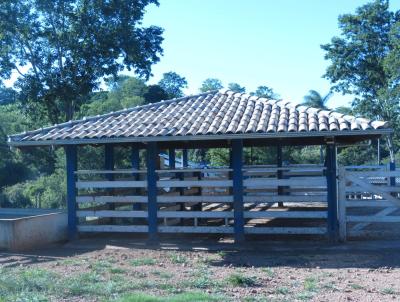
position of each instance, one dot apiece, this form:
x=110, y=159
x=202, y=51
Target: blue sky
x=253, y=42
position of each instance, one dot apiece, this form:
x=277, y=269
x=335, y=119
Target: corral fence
x=276, y=200
x=368, y=200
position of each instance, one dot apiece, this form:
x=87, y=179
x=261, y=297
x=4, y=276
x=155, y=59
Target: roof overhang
x=352, y=135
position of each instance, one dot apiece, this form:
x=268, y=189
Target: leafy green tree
x=155, y=94
x=365, y=61
x=316, y=100
x=236, y=87
x=7, y=95
x=172, y=83
x=211, y=84
x=62, y=49
x=265, y=92
x=344, y=110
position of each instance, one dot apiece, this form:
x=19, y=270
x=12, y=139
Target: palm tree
x=314, y=99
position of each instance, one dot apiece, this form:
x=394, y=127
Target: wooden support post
x=171, y=158
x=151, y=161
x=342, y=204
x=185, y=160
x=333, y=227
x=279, y=172
x=238, y=207
x=109, y=166
x=135, y=161
x=392, y=167
x=71, y=161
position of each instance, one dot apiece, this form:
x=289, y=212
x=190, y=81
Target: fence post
x=342, y=204
x=332, y=192
x=237, y=164
x=279, y=172
x=135, y=162
x=109, y=166
x=392, y=167
x=151, y=159
x=71, y=161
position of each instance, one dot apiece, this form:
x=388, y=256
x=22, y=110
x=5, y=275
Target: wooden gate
x=367, y=197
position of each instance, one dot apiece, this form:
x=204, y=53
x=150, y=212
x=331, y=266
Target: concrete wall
x=32, y=231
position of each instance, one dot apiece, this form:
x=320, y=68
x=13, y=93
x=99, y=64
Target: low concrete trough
x=24, y=229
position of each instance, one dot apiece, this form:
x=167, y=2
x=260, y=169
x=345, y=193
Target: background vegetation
x=60, y=79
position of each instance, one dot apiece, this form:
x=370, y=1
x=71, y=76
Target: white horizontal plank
x=196, y=229
x=193, y=183
x=285, y=198
x=222, y=170
x=368, y=203
x=285, y=214
x=121, y=171
x=373, y=218
x=120, y=199
x=374, y=174
x=195, y=214
x=293, y=182
x=111, y=184
x=173, y=199
x=113, y=213
x=285, y=230
x=114, y=228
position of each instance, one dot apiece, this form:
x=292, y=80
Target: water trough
x=23, y=229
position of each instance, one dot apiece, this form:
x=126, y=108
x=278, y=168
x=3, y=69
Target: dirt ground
x=108, y=268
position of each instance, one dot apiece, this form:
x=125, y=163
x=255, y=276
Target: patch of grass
x=143, y=261
x=161, y=274
x=222, y=254
x=305, y=296
x=72, y=262
x=178, y=259
x=269, y=271
x=238, y=279
x=30, y=284
x=389, y=291
x=356, y=286
x=283, y=290
x=100, y=265
x=183, y=297
x=311, y=284
x=117, y=270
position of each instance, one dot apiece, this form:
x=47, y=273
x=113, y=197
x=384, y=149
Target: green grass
x=311, y=284
x=356, y=286
x=238, y=279
x=178, y=259
x=184, y=297
x=117, y=270
x=161, y=274
x=143, y=261
x=389, y=291
x=283, y=290
x=269, y=272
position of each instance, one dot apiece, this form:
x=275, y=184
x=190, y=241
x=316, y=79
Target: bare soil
x=307, y=270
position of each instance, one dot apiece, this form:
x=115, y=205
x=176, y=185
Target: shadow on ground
x=306, y=253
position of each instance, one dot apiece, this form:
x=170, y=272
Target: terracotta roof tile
x=211, y=113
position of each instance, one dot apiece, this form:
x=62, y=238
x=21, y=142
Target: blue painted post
x=151, y=160
x=392, y=167
x=71, y=161
x=238, y=207
x=109, y=166
x=135, y=162
x=333, y=223
x=185, y=161
x=171, y=158
x=279, y=172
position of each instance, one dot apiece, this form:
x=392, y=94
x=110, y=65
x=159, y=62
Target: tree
x=344, y=110
x=155, y=94
x=62, y=49
x=316, y=100
x=211, y=84
x=172, y=83
x=7, y=95
x=265, y=92
x=236, y=87
x=365, y=61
